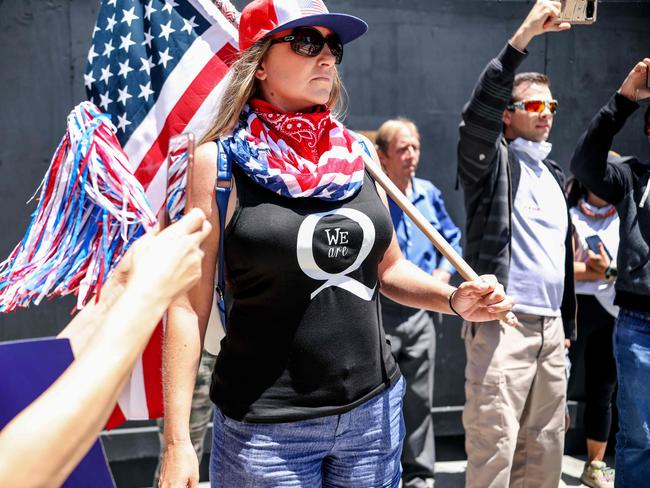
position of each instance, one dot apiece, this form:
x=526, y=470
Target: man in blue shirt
x=411, y=331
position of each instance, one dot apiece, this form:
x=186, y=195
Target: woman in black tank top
x=306, y=390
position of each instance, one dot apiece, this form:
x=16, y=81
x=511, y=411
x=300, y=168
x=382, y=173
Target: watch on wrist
x=610, y=273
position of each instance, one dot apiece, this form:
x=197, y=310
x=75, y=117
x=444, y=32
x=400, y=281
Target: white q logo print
x=309, y=266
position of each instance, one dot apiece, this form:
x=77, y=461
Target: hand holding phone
x=599, y=258
x=593, y=245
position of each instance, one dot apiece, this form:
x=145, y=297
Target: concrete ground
x=451, y=474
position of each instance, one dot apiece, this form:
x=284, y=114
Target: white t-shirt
x=539, y=227
x=607, y=229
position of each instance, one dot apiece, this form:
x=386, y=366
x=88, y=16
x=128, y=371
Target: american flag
x=157, y=67
x=312, y=7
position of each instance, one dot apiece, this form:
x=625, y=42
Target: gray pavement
x=451, y=474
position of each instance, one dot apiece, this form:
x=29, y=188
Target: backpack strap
x=223, y=187
x=362, y=140
x=365, y=147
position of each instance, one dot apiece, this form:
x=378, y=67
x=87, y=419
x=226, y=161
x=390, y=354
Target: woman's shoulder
x=206, y=149
x=205, y=163
x=205, y=155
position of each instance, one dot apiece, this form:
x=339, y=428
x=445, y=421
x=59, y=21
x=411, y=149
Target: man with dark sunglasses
x=517, y=228
x=626, y=184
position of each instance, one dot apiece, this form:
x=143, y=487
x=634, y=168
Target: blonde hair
x=388, y=129
x=242, y=86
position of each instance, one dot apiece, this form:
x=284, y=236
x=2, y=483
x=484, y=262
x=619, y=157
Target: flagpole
x=464, y=269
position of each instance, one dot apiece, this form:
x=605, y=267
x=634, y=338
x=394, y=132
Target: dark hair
x=575, y=191
x=646, y=117
x=530, y=77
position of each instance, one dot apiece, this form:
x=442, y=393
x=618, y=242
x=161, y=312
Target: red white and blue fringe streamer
x=91, y=209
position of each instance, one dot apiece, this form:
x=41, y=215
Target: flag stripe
x=132, y=401
x=202, y=51
x=156, y=191
x=152, y=368
x=117, y=418
x=181, y=114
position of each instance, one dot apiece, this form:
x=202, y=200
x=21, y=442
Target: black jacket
x=623, y=184
x=489, y=175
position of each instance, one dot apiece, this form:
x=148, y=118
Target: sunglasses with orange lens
x=647, y=129
x=534, y=106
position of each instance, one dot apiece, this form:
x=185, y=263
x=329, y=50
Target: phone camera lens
x=591, y=9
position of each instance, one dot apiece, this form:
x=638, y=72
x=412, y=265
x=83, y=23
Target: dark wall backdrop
x=420, y=59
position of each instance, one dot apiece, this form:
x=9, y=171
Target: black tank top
x=304, y=335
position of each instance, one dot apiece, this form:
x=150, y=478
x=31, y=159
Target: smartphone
x=180, y=166
x=579, y=11
x=592, y=244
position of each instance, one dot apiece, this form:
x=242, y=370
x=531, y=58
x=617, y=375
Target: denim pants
x=358, y=449
x=632, y=353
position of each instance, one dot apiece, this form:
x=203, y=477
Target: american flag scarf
x=297, y=155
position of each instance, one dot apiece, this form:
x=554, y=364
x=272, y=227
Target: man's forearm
x=584, y=273
x=521, y=39
x=87, y=322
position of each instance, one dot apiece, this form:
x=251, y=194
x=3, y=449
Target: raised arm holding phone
x=625, y=183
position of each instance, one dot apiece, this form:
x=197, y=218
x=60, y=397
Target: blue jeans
x=360, y=448
x=632, y=353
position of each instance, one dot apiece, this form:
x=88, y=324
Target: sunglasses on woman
x=309, y=42
x=534, y=106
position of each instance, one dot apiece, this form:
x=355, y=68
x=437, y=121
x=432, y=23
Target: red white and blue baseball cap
x=262, y=18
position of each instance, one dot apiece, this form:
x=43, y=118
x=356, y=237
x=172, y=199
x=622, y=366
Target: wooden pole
x=464, y=269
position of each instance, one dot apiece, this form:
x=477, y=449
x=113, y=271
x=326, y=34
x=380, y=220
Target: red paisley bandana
x=298, y=154
x=302, y=131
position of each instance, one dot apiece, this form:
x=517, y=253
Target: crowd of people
x=325, y=374
x=521, y=227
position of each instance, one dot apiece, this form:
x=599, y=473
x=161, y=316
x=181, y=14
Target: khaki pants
x=515, y=387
